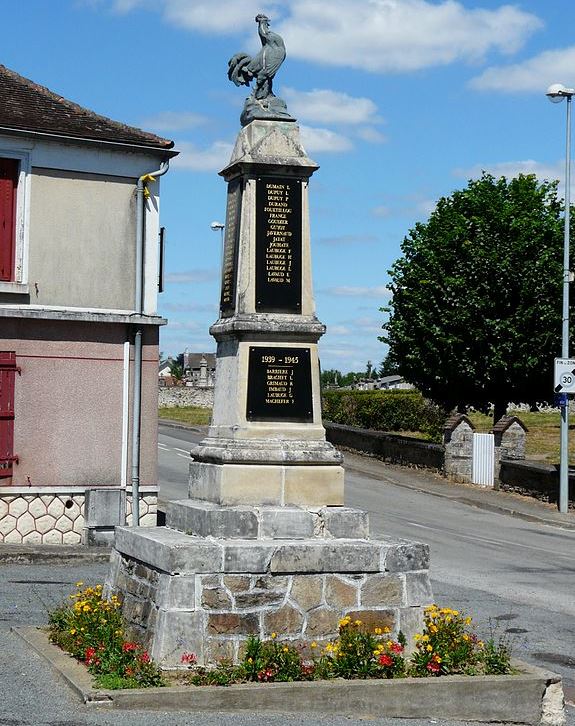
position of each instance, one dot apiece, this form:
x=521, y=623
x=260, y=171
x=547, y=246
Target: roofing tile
x=27, y=106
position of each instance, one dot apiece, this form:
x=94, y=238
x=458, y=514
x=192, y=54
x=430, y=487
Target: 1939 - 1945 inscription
x=279, y=385
x=230, y=251
x=278, y=245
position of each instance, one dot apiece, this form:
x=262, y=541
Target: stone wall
x=55, y=517
x=394, y=448
x=540, y=480
x=186, y=396
x=212, y=614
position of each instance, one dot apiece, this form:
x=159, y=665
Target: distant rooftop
x=27, y=106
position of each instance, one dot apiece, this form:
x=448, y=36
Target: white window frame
x=21, y=229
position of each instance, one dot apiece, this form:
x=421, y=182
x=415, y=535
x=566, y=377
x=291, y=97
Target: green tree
x=331, y=377
x=475, y=316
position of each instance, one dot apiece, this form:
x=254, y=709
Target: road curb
x=22, y=554
x=177, y=425
x=523, y=698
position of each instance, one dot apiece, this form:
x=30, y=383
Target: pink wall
x=68, y=402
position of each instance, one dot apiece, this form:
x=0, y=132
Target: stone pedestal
x=264, y=543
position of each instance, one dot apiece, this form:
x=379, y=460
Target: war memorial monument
x=264, y=543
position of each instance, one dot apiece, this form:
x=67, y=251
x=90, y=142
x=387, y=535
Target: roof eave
x=166, y=151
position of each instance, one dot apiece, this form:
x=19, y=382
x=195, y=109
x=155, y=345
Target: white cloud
x=381, y=211
x=315, y=139
x=227, y=16
x=339, y=330
x=372, y=135
x=378, y=291
x=374, y=35
x=190, y=307
x=534, y=74
x=401, y=35
x=214, y=158
x=513, y=168
x=174, y=121
x=187, y=276
x=332, y=107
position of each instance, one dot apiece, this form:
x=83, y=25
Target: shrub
x=448, y=646
x=384, y=411
x=92, y=629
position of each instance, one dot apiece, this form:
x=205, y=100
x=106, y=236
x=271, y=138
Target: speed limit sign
x=564, y=375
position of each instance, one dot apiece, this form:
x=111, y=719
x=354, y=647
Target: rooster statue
x=242, y=69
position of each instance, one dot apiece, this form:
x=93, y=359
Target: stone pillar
x=510, y=437
x=458, y=442
x=264, y=543
x=203, y=372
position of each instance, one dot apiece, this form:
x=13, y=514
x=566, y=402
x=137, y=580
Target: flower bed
x=92, y=630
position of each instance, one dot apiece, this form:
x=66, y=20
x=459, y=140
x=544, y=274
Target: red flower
x=385, y=660
x=397, y=647
x=433, y=667
x=89, y=655
x=188, y=658
x=129, y=671
x=128, y=647
x=144, y=657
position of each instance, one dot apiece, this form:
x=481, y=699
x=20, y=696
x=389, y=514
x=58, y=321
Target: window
x=9, y=171
x=8, y=371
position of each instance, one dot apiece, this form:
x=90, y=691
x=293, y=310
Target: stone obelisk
x=264, y=542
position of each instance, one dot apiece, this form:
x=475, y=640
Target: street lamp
x=556, y=93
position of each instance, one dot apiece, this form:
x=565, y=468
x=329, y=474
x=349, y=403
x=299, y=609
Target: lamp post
x=556, y=93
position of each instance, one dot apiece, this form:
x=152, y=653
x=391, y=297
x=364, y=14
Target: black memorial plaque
x=278, y=245
x=230, y=251
x=279, y=385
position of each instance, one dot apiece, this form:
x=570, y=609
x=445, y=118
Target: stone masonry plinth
x=262, y=570
x=264, y=543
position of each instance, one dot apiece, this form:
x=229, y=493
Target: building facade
x=79, y=260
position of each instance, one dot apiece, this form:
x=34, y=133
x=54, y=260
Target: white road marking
x=184, y=456
x=184, y=451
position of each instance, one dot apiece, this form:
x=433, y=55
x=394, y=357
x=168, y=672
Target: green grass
x=542, y=436
x=192, y=415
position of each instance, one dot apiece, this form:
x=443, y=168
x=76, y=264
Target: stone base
x=271, y=484
x=261, y=570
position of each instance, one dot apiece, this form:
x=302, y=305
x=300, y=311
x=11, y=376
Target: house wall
x=82, y=240
x=68, y=403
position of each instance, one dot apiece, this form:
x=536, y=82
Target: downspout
x=141, y=195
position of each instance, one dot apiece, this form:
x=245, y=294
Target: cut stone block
x=286, y=523
x=326, y=556
x=177, y=632
x=206, y=519
x=344, y=522
x=169, y=550
x=236, y=483
x=313, y=486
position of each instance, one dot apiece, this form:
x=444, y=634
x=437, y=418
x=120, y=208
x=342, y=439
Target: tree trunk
x=499, y=410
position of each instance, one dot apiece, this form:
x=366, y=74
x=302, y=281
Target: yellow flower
x=79, y=584
x=417, y=636
x=387, y=630
x=437, y=659
x=433, y=628
x=480, y=644
x=86, y=608
x=429, y=648
x=285, y=649
x=465, y=637
x=250, y=660
x=274, y=635
x=425, y=638
x=357, y=622
x=72, y=631
x=378, y=631
x=455, y=612
x=313, y=644
x=468, y=620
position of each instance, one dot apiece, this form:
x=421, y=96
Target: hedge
x=384, y=411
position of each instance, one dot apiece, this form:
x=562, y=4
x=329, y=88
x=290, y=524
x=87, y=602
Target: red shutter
x=7, y=379
x=8, y=184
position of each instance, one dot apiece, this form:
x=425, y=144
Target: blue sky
x=399, y=101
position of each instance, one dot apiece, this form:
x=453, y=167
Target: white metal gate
x=483, y=465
